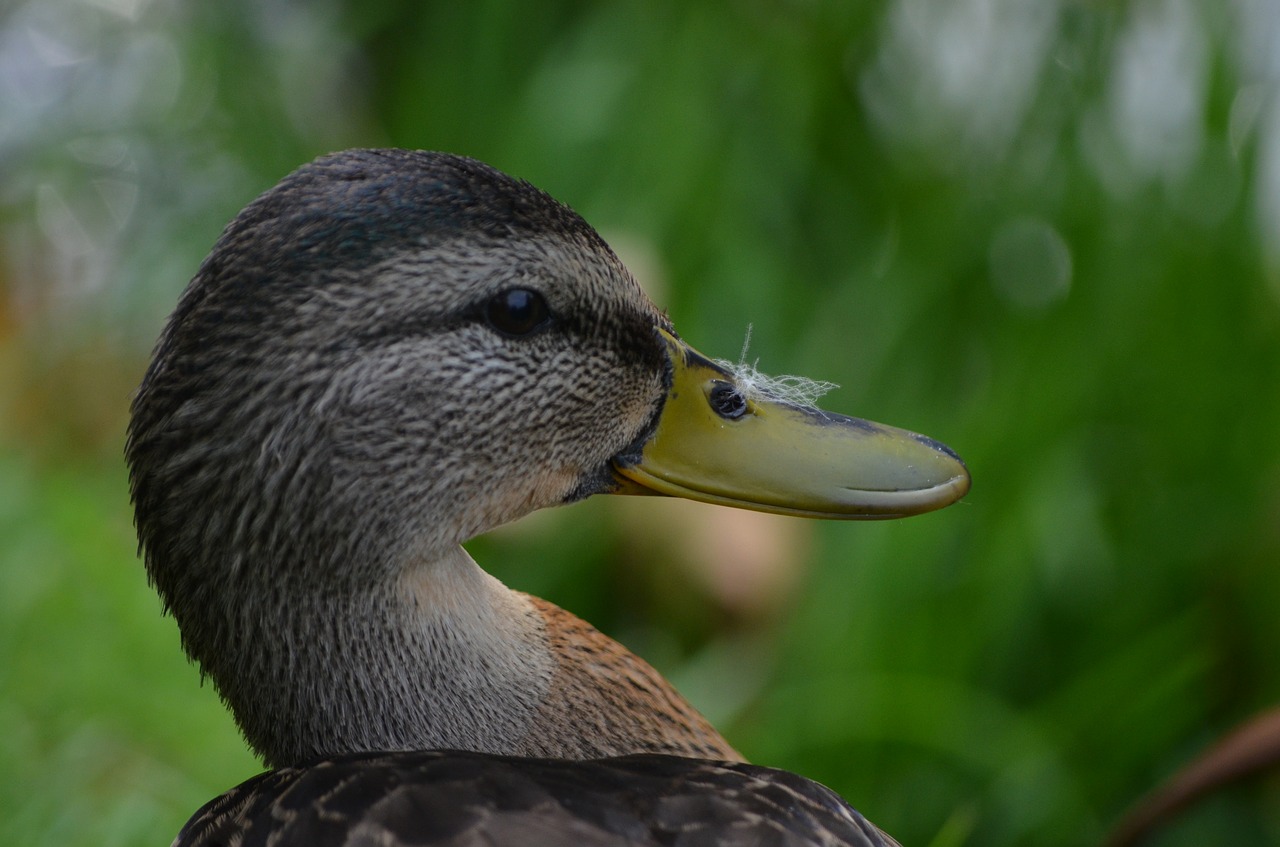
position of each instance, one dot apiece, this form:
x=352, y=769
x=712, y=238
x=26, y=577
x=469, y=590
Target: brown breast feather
x=606, y=701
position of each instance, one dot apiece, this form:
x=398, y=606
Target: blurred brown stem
x=1252, y=747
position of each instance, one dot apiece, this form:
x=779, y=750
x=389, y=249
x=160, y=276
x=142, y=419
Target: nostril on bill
x=727, y=400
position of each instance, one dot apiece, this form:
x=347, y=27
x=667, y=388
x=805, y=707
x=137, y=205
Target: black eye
x=517, y=311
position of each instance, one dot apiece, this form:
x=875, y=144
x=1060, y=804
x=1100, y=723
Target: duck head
x=391, y=352
x=420, y=343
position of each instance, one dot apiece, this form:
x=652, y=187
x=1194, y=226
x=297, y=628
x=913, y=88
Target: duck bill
x=718, y=443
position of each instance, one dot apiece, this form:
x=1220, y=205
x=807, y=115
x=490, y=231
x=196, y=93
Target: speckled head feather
x=329, y=413
x=352, y=295
x=356, y=208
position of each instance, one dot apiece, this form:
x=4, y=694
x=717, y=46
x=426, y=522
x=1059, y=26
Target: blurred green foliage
x=1044, y=233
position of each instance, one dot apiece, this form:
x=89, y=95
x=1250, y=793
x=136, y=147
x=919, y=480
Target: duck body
x=385, y=355
x=461, y=798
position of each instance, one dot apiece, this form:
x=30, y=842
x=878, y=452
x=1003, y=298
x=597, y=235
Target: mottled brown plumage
x=455, y=799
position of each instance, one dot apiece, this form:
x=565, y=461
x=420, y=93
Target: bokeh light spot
x=1030, y=264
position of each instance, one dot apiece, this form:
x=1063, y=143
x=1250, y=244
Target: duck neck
x=442, y=657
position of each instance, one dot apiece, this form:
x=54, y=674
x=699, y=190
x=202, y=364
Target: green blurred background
x=1044, y=232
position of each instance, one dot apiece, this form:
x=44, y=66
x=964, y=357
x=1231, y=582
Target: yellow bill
x=717, y=443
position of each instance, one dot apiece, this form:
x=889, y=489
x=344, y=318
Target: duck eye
x=517, y=311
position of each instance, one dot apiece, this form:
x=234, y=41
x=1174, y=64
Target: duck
x=383, y=356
